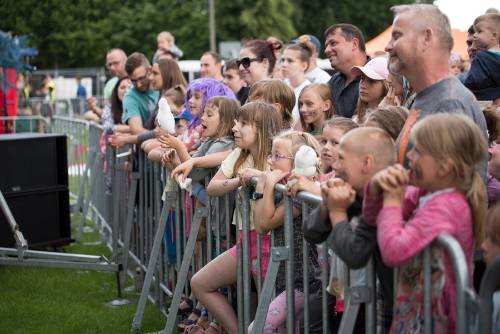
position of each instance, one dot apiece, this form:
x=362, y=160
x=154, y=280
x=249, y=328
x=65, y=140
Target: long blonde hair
x=459, y=139
x=267, y=121
x=325, y=94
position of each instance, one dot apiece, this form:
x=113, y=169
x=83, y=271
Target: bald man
x=362, y=153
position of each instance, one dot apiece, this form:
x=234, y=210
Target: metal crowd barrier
x=22, y=124
x=144, y=221
x=41, y=106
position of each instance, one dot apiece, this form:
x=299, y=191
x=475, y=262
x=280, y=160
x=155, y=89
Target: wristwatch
x=256, y=196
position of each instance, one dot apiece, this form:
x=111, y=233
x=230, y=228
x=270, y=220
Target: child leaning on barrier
x=491, y=252
x=362, y=152
x=257, y=123
x=197, y=96
x=447, y=196
x=269, y=214
x=217, y=122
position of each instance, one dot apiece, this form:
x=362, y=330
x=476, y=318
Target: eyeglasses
x=135, y=81
x=277, y=157
x=245, y=62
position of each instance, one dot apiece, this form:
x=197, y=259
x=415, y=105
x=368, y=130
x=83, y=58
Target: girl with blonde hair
x=442, y=193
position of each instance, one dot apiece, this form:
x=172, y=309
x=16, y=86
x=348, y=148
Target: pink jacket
x=403, y=232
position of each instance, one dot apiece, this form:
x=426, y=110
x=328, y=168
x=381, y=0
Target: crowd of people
x=401, y=145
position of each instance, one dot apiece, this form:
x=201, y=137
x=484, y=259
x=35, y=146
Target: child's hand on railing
x=167, y=158
x=298, y=183
x=274, y=177
x=184, y=168
x=246, y=175
x=117, y=141
x=338, y=198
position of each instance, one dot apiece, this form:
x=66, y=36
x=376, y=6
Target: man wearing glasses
x=115, y=63
x=140, y=101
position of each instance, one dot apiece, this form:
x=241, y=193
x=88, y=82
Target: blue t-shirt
x=81, y=92
x=139, y=104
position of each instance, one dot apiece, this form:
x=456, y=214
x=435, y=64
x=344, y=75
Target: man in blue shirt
x=140, y=101
x=345, y=48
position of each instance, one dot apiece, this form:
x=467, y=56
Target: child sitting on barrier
x=362, y=152
x=269, y=214
x=257, y=123
x=491, y=252
x=447, y=196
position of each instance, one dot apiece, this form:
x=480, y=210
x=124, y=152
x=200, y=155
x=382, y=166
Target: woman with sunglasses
x=256, y=61
x=294, y=65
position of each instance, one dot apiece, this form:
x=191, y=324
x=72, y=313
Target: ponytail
x=477, y=198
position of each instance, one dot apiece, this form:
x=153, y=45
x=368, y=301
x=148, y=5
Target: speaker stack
x=34, y=182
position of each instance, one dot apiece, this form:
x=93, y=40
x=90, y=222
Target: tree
x=78, y=33
x=269, y=17
x=371, y=16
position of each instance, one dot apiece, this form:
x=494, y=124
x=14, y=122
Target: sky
x=463, y=12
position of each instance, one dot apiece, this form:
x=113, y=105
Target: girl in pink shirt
x=447, y=196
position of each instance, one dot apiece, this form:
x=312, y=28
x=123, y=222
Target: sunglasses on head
x=245, y=62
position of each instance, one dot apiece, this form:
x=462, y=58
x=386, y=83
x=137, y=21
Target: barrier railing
x=143, y=218
x=21, y=124
x=489, y=285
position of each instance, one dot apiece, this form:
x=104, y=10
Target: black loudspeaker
x=34, y=182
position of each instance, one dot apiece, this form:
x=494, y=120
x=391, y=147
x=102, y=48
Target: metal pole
x=290, y=286
x=246, y=257
x=211, y=24
x=153, y=260
x=488, y=288
x=427, y=291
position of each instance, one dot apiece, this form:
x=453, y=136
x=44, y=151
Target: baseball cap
x=375, y=69
x=309, y=38
x=185, y=115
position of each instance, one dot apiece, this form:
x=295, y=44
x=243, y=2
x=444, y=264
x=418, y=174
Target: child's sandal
x=189, y=321
x=194, y=329
x=213, y=328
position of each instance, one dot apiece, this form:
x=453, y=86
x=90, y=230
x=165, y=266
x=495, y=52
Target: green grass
x=39, y=300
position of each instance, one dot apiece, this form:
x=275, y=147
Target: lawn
x=38, y=300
